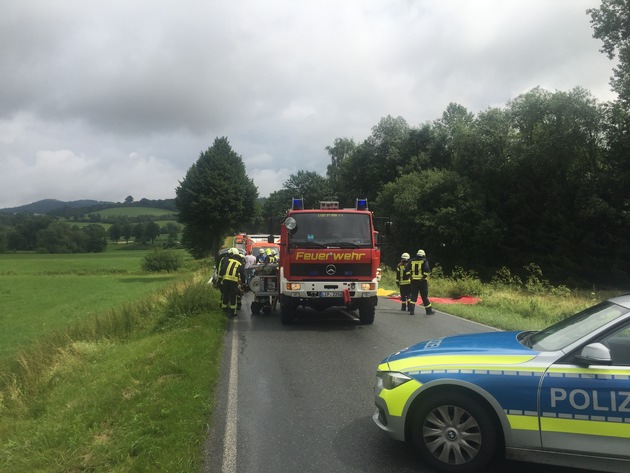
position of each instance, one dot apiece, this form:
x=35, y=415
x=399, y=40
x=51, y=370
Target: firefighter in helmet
x=232, y=275
x=419, y=268
x=403, y=281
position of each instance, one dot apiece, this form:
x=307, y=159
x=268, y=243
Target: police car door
x=585, y=405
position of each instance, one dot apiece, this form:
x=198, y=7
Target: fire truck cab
x=328, y=257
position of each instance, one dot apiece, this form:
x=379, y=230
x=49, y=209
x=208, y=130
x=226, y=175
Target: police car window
x=570, y=330
x=619, y=345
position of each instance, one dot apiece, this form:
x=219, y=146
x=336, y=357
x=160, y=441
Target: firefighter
x=260, y=259
x=403, y=281
x=231, y=274
x=419, y=268
x=272, y=257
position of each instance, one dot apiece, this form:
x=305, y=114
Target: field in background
x=133, y=212
x=44, y=292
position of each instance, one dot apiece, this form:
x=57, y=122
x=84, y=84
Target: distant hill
x=48, y=205
x=67, y=209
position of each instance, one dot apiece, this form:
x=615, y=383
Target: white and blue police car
x=558, y=396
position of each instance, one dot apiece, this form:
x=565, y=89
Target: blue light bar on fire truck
x=361, y=204
x=297, y=204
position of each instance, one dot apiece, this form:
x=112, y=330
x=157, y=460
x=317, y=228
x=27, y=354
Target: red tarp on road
x=447, y=300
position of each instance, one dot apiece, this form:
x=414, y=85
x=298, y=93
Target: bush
x=190, y=299
x=162, y=260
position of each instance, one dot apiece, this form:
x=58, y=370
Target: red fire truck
x=328, y=257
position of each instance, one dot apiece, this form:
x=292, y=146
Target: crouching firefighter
x=231, y=274
x=419, y=267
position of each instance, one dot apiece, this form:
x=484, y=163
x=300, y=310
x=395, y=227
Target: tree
x=611, y=24
x=375, y=162
x=442, y=213
x=276, y=206
x=128, y=199
x=115, y=232
x=94, y=238
x=215, y=199
x=151, y=231
x=139, y=232
x=341, y=149
x=309, y=185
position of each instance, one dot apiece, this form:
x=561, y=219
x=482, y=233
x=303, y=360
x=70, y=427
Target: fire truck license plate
x=331, y=294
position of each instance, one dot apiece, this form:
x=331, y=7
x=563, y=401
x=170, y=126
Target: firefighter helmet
x=421, y=253
x=405, y=256
x=261, y=251
x=233, y=251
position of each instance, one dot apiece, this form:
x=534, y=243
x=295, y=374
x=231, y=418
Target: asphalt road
x=299, y=398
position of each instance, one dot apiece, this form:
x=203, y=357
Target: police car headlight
x=391, y=379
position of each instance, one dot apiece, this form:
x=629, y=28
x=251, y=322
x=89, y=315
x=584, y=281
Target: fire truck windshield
x=331, y=230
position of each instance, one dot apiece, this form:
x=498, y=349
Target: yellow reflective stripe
x=482, y=361
x=396, y=398
x=586, y=427
x=523, y=422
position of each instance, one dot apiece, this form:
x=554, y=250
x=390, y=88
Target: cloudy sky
x=101, y=100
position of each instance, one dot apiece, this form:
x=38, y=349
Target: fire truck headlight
x=368, y=286
x=293, y=286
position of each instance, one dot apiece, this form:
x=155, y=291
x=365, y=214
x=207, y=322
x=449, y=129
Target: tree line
x=46, y=234
x=542, y=180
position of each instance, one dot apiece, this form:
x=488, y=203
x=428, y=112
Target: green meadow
x=134, y=212
x=41, y=292
x=103, y=367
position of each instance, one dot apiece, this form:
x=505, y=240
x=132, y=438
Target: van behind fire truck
x=329, y=257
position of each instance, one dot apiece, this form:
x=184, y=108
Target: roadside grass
x=125, y=390
x=507, y=302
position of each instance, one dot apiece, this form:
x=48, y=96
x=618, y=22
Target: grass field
x=105, y=368
x=134, y=211
x=39, y=293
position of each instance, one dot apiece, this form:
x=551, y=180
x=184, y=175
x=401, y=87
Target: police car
x=558, y=396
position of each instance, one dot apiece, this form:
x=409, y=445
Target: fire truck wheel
x=366, y=312
x=255, y=308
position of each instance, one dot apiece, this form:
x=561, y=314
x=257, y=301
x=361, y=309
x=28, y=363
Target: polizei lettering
x=581, y=399
x=319, y=256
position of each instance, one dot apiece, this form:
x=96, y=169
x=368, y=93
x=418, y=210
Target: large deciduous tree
x=311, y=186
x=611, y=24
x=215, y=198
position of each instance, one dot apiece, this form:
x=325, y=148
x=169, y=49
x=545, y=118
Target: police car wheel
x=454, y=433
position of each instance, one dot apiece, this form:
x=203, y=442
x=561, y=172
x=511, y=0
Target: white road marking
x=229, y=440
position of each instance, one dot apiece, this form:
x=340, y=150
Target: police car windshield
x=570, y=330
x=332, y=230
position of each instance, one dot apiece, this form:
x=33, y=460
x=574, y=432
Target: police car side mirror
x=594, y=354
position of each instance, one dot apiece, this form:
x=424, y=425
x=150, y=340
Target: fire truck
x=328, y=257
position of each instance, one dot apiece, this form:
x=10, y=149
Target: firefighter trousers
x=420, y=286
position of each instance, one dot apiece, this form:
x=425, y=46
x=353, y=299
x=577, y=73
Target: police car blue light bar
x=297, y=204
x=361, y=204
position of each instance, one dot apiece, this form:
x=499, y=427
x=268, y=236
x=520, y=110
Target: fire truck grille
x=324, y=270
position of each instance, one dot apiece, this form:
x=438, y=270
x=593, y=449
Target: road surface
x=299, y=398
